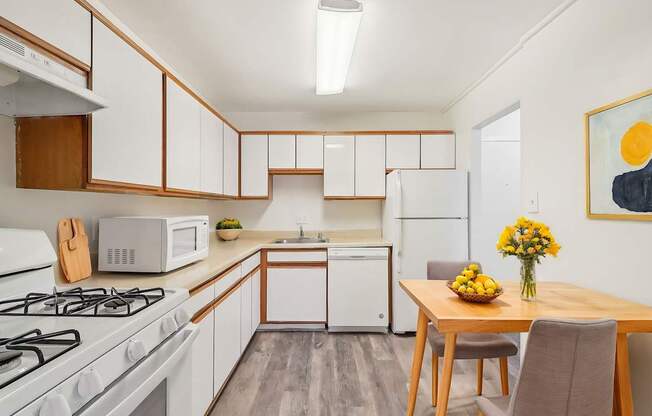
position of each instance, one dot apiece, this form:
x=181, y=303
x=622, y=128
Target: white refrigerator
x=425, y=216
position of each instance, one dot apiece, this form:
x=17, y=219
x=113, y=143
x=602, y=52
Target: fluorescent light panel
x=337, y=28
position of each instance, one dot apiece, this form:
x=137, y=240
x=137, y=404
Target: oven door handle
x=132, y=401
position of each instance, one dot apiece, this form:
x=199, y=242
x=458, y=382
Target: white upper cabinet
x=339, y=166
x=437, y=151
x=127, y=137
x=254, y=172
x=183, y=139
x=310, y=152
x=212, y=152
x=370, y=165
x=403, y=151
x=282, y=151
x=231, y=161
x=62, y=23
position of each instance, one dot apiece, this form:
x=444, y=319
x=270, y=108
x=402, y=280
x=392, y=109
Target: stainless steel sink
x=300, y=240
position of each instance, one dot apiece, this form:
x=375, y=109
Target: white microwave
x=151, y=244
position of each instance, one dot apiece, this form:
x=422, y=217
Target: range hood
x=32, y=84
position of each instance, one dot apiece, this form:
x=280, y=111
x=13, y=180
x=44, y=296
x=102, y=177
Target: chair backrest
x=568, y=369
x=447, y=270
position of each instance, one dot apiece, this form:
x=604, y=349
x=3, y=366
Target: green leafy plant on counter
x=229, y=224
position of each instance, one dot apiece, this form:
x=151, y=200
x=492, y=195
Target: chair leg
x=480, y=375
x=435, y=378
x=504, y=376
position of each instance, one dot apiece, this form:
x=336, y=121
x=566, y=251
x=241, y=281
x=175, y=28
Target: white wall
x=495, y=176
x=295, y=196
x=338, y=121
x=593, y=54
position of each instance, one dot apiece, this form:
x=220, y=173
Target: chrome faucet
x=301, y=234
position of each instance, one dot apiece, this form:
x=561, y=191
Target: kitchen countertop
x=224, y=254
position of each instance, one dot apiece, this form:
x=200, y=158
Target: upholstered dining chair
x=568, y=369
x=471, y=346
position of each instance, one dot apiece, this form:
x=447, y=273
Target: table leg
x=447, y=374
x=623, y=403
x=417, y=361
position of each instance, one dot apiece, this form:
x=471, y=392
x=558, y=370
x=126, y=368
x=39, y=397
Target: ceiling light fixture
x=337, y=29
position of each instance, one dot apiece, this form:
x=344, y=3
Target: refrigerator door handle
x=399, y=195
x=399, y=248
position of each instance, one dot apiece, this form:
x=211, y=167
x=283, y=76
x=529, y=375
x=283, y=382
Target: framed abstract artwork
x=619, y=159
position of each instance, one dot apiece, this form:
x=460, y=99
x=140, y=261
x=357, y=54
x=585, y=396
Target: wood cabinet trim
x=296, y=171
x=351, y=198
x=297, y=265
x=348, y=133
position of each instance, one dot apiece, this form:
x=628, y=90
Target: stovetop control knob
x=55, y=405
x=182, y=317
x=90, y=384
x=169, y=325
x=136, y=350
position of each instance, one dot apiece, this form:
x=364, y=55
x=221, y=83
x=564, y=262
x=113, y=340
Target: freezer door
x=419, y=241
x=432, y=194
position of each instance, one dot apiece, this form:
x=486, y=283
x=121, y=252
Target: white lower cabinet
x=255, y=301
x=296, y=294
x=202, y=367
x=245, y=314
x=226, y=339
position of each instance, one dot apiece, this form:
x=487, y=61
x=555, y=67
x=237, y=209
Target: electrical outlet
x=533, y=202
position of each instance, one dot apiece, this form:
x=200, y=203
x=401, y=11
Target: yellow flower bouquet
x=529, y=241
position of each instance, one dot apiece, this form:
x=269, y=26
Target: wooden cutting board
x=74, y=255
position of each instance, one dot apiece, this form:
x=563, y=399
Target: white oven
x=159, y=385
x=151, y=244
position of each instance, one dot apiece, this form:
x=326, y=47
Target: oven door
x=158, y=386
x=186, y=242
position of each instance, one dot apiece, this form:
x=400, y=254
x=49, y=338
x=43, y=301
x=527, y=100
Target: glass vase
x=528, y=280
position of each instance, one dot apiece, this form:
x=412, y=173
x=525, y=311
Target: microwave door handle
x=132, y=401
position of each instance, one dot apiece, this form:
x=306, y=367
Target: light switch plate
x=533, y=203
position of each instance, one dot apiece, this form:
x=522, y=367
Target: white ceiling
x=258, y=55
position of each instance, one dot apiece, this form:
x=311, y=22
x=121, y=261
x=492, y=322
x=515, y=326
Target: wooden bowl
x=474, y=297
x=229, y=234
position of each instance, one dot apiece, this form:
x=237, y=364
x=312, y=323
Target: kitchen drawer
x=296, y=256
x=200, y=299
x=227, y=280
x=250, y=263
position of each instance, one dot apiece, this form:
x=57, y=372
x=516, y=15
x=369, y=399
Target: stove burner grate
x=31, y=342
x=86, y=302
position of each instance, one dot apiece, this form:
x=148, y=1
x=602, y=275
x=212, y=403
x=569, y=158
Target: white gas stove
x=97, y=351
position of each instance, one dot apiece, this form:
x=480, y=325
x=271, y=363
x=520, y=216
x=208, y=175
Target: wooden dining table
x=508, y=313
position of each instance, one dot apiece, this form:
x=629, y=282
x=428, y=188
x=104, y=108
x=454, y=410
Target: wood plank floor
x=316, y=373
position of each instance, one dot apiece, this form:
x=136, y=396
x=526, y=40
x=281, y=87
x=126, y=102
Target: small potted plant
x=229, y=229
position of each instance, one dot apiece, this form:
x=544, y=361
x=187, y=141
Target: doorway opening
x=495, y=188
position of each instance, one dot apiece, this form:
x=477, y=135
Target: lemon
x=489, y=284
x=455, y=285
x=497, y=283
x=462, y=289
x=490, y=291
x=473, y=267
x=480, y=290
x=468, y=273
x=470, y=290
x=459, y=279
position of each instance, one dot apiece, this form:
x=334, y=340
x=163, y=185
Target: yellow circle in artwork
x=636, y=144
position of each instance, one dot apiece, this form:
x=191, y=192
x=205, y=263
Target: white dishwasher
x=358, y=289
